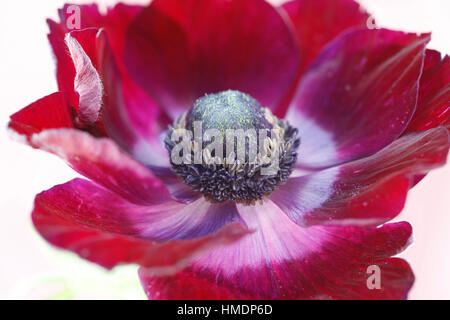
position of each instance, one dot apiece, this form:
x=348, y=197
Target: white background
x=30, y=268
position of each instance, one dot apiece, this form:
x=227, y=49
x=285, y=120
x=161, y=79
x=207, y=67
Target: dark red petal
x=49, y=112
x=283, y=261
x=369, y=191
x=122, y=102
x=115, y=22
x=101, y=160
x=89, y=13
x=76, y=55
x=433, y=106
x=144, y=113
x=180, y=50
x=318, y=22
x=87, y=83
x=129, y=115
x=103, y=228
x=92, y=205
x=65, y=70
x=358, y=96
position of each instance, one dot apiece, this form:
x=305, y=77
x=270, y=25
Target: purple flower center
x=230, y=148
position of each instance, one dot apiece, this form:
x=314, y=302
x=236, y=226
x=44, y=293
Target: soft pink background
x=29, y=268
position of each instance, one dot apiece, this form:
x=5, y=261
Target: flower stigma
x=229, y=148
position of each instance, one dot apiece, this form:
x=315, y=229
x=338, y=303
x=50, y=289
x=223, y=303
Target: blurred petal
x=318, y=22
x=87, y=82
x=433, y=106
x=104, y=228
x=283, y=261
x=101, y=160
x=369, y=191
x=136, y=116
x=181, y=50
x=49, y=112
x=129, y=116
x=92, y=205
x=65, y=70
x=115, y=22
x=358, y=96
x=76, y=55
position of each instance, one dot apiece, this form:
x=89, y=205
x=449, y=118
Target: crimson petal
x=283, y=261
x=180, y=50
x=65, y=70
x=115, y=22
x=318, y=22
x=77, y=74
x=87, y=83
x=358, y=96
x=433, y=106
x=104, y=228
x=369, y=191
x=50, y=112
x=124, y=103
x=102, y=161
x=134, y=113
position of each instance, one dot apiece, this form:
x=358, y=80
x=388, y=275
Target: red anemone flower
x=365, y=115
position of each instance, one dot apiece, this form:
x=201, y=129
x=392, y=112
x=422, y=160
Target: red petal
x=318, y=22
x=369, y=191
x=283, y=261
x=49, y=112
x=115, y=23
x=144, y=113
x=123, y=101
x=130, y=116
x=433, y=106
x=101, y=160
x=90, y=16
x=180, y=50
x=103, y=228
x=358, y=96
x=87, y=81
x=65, y=70
x=77, y=75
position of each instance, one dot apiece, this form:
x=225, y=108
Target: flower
x=370, y=108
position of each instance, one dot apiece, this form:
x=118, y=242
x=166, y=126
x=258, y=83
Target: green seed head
x=228, y=110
